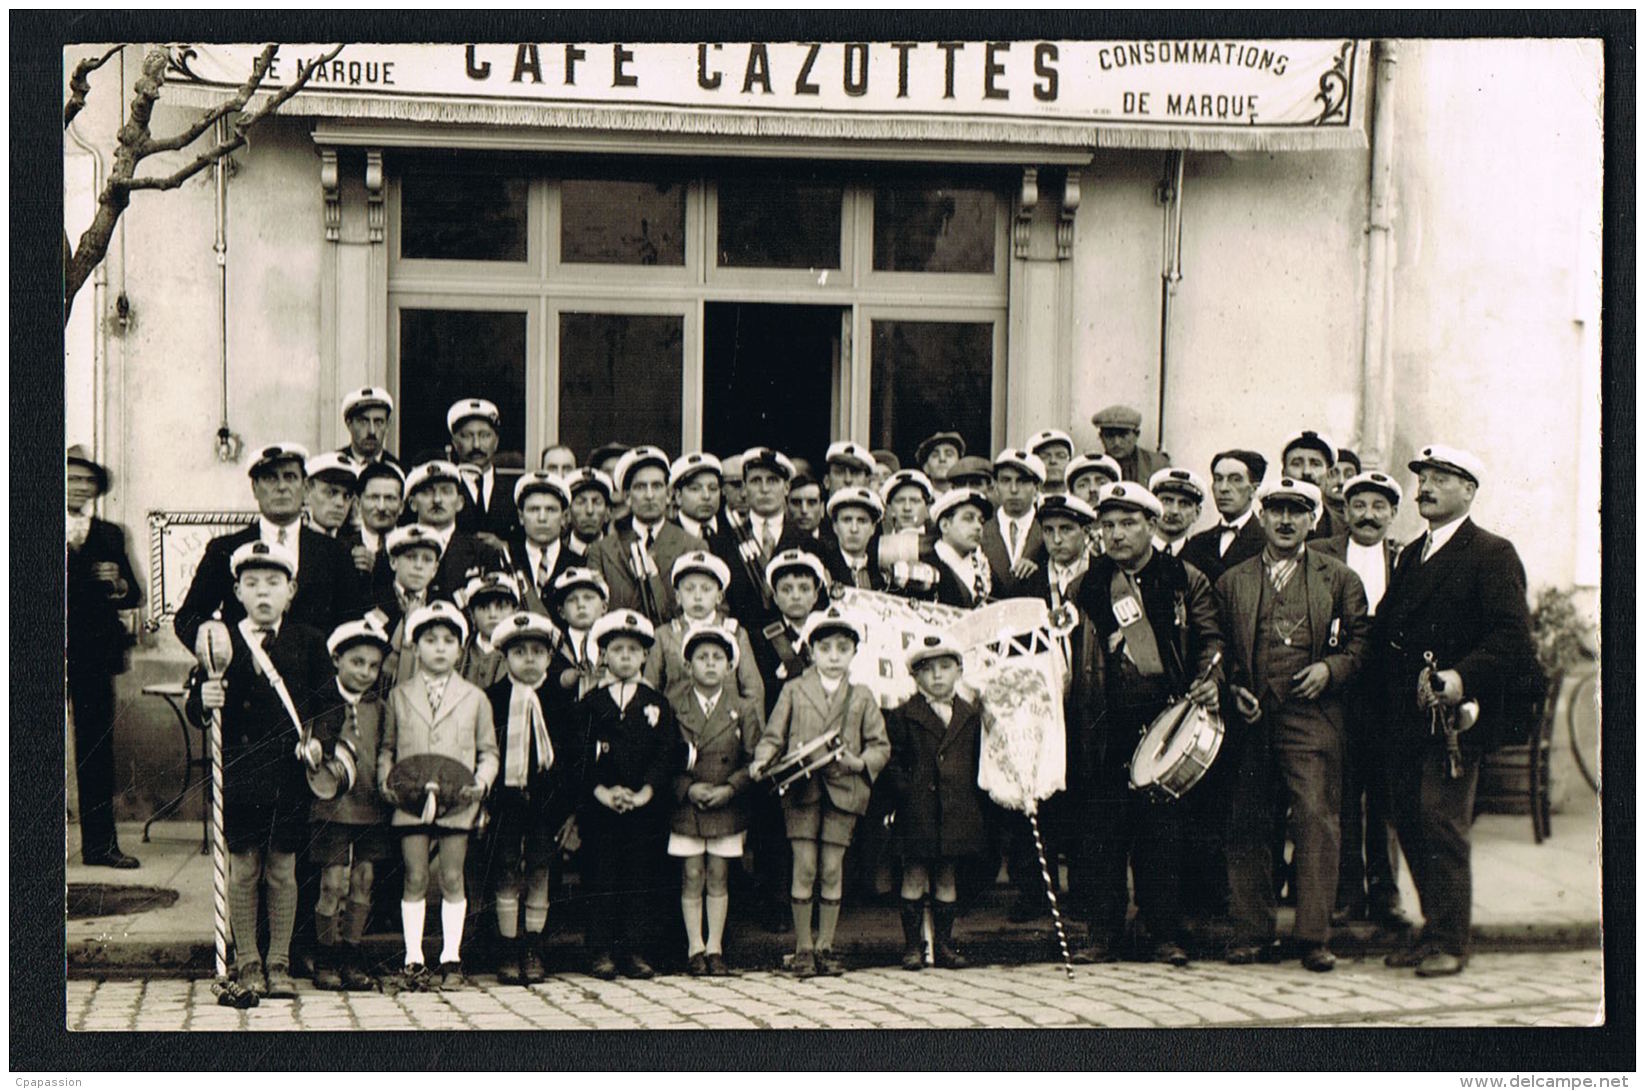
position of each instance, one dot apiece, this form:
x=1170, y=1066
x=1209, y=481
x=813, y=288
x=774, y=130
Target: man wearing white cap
x=1149, y=635
x=854, y=513
x=639, y=550
x=1055, y=448
x=1180, y=493
x=333, y=483
x=1296, y=627
x=695, y=480
x=849, y=464
x=1368, y=879
x=1311, y=456
x=328, y=588
x=366, y=413
x=475, y=425
x=434, y=493
x=538, y=551
x=1457, y=594
x=1012, y=540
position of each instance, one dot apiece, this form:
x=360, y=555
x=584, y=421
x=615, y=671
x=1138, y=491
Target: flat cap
x=923, y=451
x=1117, y=416
x=1313, y=441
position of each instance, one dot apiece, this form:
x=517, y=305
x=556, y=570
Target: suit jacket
x=387, y=456
x=1201, y=550
x=375, y=584
x=666, y=671
x=96, y=639
x=724, y=743
x=840, y=572
x=1337, y=621
x=464, y=558
x=1038, y=586
x=328, y=585
x=1142, y=464
x=953, y=591
x=631, y=747
x=933, y=774
x=551, y=792
x=1329, y=526
x=804, y=712
x=520, y=561
x=462, y=729
x=1337, y=546
x=1466, y=604
x=999, y=558
x=743, y=600
x=497, y=517
x=611, y=558
x=1183, y=614
x=360, y=805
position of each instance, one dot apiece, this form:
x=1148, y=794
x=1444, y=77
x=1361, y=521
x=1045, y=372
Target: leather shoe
x=603, y=968
x=697, y=965
x=281, y=986
x=531, y=965
x=1391, y=919
x=1319, y=959
x=250, y=975
x=1243, y=955
x=948, y=957
x=637, y=968
x=913, y=958
x=113, y=858
x=804, y=964
x=1171, y=953
x=1441, y=964
x=717, y=965
x=1407, y=957
x=829, y=964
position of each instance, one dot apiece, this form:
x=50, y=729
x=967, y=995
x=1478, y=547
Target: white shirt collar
x=1438, y=536
x=443, y=533
x=347, y=694
x=708, y=702
x=954, y=559
x=775, y=522
x=1239, y=524
x=269, y=532
x=370, y=539
x=830, y=686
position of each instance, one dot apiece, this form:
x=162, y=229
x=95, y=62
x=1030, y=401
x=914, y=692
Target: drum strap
x=1140, y=643
x=776, y=634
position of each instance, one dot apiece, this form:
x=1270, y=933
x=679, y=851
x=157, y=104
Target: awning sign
x=1102, y=93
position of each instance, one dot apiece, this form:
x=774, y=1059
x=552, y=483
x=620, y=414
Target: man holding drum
x=1148, y=637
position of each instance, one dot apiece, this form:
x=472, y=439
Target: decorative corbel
x=376, y=215
x=1065, y=220
x=1029, y=198
x=334, y=198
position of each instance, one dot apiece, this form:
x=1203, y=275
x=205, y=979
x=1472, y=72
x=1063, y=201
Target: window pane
x=780, y=224
x=620, y=380
x=932, y=377
x=446, y=356
x=622, y=223
x=929, y=229
x=462, y=217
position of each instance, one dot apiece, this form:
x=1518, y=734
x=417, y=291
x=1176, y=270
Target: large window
x=645, y=302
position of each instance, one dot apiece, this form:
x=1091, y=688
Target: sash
x=525, y=725
x=776, y=634
x=259, y=655
x=1140, y=644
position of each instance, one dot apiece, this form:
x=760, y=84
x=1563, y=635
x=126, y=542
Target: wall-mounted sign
x=1235, y=93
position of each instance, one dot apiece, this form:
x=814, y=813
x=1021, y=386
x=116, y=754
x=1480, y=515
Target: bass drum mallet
x=214, y=650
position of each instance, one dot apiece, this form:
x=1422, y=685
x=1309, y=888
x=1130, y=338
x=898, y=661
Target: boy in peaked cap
x=487, y=599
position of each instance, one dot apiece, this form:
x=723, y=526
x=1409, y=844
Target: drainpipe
x=1376, y=369
x=1170, y=196
x=228, y=444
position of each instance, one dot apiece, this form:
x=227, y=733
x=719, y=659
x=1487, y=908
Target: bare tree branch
x=79, y=86
x=232, y=105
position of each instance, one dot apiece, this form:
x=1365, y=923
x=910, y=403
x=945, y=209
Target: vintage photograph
x=886, y=535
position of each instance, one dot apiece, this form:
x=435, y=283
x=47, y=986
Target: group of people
x=448, y=659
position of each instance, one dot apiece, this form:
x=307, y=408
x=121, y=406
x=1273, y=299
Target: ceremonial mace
x=214, y=650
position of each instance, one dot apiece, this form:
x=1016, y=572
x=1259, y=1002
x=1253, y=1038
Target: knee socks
x=828, y=917
x=718, y=904
x=411, y=927
x=691, y=907
x=281, y=875
x=536, y=917
x=244, y=888
x=801, y=908
x=451, y=928
x=508, y=916
x=354, y=922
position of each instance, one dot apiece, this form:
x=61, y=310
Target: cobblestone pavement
x=1538, y=989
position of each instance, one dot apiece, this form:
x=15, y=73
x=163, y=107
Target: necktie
x=435, y=693
x=280, y=538
x=1280, y=572
x=263, y=633
x=543, y=571
x=1016, y=536
x=768, y=540
x=978, y=589
x=1427, y=548
x=471, y=482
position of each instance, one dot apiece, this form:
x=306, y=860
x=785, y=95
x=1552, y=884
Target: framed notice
x=177, y=541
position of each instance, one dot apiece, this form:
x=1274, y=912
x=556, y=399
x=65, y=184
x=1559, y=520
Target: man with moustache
x=1368, y=879
x=366, y=415
x=435, y=494
x=1310, y=456
x=1296, y=628
x=382, y=499
x=1235, y=475
x=1458, y=592
x=1180, y=493
x=488, y=509
x=328, y=588
x=590, y=513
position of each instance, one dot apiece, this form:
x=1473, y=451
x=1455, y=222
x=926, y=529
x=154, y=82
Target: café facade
x=716, y=244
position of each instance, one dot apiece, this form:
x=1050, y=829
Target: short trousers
x=335, y=844
x=819, y=821
x=728, y=846
x=519, y=832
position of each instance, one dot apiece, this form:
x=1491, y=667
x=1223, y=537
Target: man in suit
x=1458, y=592
x=99, y=583
x=854, y=512
x=328, y=586
x=638, y=552
x=695, y=480
x=1368, y=879
x=329, y=494
x=1148, y=634
x=1119, y=426
x=488, y=511
x=382, y=499
x=434, y=493
x=1055, y=449
x=1180, y=493
x=1310, y=456
x=590, y=513
x=764, y=531
x=1012, y=540
x=366, y=413
x=1235, y=476
x=538, y=551
x=1295, y=624
x=964, y=577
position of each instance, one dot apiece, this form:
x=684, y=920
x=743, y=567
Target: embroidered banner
x=1160, y=93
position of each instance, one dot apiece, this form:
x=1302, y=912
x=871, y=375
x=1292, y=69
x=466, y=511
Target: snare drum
x=1177, y=750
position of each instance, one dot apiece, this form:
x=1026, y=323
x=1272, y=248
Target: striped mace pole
x=214, y=650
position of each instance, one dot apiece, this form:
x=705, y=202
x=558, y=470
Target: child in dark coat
x=631, y=750
x=935, y=738
x=531, y=800
x=720, y=728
